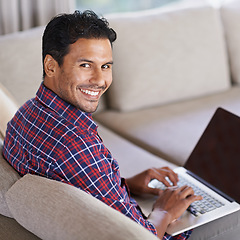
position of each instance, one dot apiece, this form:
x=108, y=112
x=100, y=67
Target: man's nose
x=98, y=77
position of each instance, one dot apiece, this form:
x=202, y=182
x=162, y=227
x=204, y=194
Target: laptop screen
x=216, y=157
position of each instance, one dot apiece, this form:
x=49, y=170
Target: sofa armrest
x=55, y=210
x=8, y=176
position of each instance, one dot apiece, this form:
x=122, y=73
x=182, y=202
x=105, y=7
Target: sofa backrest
x=21, y=63
x=160, y=56
x=230, y=13
x=165, y=55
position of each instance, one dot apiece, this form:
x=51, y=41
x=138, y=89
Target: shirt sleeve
x=182, y=236
x=85, y=163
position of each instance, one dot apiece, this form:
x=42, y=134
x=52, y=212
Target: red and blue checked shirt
x=52, y=138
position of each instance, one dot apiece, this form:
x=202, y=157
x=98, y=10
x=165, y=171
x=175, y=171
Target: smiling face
x=86, y=73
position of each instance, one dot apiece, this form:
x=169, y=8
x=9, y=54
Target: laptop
x=213, y=168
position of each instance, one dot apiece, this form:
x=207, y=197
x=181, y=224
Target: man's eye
x=106, y=66
x=85, y=65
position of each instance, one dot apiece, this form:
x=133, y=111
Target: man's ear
x=50, y=65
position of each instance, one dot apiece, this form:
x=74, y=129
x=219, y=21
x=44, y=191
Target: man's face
x=86, y=73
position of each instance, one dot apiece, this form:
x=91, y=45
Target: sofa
x=173, y=67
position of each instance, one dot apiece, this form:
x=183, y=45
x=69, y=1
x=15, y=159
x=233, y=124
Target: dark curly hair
x=66, y=29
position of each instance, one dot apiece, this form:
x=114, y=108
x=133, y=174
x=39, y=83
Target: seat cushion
x=55, y=210
x=170, y=131
x=131, y=158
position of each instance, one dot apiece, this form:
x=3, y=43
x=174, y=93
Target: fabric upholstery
x=8, y=176
x=20, y=57
x=54, y=210
x=134, y=159
x=170, y=131
x=8, y=107
x=163, y=56
x=10, y=229
x=230, y=13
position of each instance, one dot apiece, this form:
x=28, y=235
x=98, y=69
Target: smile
x=91, y=93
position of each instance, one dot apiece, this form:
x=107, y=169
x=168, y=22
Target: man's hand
x=138, y=184
x=170, y=205
x=176, y=201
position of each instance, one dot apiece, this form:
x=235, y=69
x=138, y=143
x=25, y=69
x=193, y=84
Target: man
x=54, y=135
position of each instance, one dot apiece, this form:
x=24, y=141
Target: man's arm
x=87, y=164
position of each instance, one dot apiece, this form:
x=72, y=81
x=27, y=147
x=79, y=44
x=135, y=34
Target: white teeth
x=92, y=93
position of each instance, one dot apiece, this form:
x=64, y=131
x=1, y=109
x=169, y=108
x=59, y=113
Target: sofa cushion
x=10, y=229
x=162, y=56
x=8, y=176
x=8, y=108
x=170, y=131
x=131, y=158
x=55, y=210
x=21, y=63
x=230, y=13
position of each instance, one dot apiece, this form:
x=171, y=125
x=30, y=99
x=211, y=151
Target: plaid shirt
x=52, y=138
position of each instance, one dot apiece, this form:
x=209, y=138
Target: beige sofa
x=172, y=68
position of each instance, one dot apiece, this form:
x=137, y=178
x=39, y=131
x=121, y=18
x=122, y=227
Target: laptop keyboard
x=207, y=204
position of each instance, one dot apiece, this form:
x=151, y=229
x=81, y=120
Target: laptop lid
x=216, y=156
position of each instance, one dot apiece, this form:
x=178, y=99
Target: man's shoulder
x=34, y=119
x=34, y=115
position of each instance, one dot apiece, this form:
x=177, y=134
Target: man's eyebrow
x=90, y=61
x=84, y=60
x=111, y=62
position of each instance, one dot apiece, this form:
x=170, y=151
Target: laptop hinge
x=210, y=186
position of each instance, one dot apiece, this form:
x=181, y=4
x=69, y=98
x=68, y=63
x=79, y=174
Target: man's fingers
x=172, y=173
x=165, y=182
x=192, y=199
x=197, y=198
x=162, y=173
x=188, y=193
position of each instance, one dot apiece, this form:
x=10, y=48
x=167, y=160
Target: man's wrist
x=161, y=220
x=160, y=214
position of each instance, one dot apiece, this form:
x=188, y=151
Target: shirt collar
x=64, y=109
